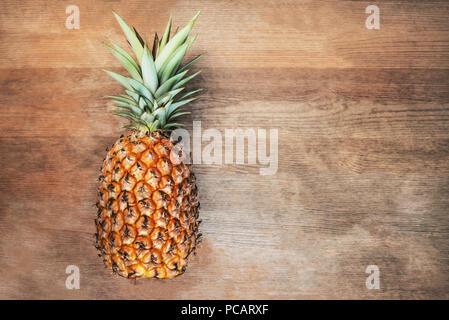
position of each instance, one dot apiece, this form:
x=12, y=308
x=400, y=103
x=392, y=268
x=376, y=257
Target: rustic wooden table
x=362, y=179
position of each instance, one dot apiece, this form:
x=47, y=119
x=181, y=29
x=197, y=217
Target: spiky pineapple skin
x=147, y=221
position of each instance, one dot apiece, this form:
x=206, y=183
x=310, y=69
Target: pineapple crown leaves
x=152, y=99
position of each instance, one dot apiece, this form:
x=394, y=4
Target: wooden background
x=363, y=119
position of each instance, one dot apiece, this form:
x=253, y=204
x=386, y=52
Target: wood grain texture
x=363, y=177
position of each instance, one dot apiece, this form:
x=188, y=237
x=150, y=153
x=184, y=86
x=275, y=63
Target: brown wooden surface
x=363, y=119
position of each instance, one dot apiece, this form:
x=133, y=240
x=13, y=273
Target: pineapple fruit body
x=147, y=224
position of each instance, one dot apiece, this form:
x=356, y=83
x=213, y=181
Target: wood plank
x=325, y=34
x=354, y=102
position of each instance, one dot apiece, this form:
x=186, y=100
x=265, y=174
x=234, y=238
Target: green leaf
x=184, y=81
x=155, y=105
x=124, y=53
x=149, y=71
x=124, y=81
x=134, y=109
x=155, y=46
x=163, y=100
x=177, y=40
x=184, y=67
x=128, y=115
x=174, y=61
x=178, y=115
x=173, y=93
x=139, y=37
x=189, y=94
x=142, y=103
x=173, y=124
x=189, y=44
x=174, y=106
x=168, y=84
x=148, y=103
x=141, y=89
x=133, y=71
x=168, y=96
x=160, y=114
x=131, y=36
x=121, y=99
x=147, y=117
x=167, y=107
x=130, y=99
x=133, y=95
x=123, y=113
x=166, y=35
x=155, y=125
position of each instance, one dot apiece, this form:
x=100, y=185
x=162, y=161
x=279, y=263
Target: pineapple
x=147, y=223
